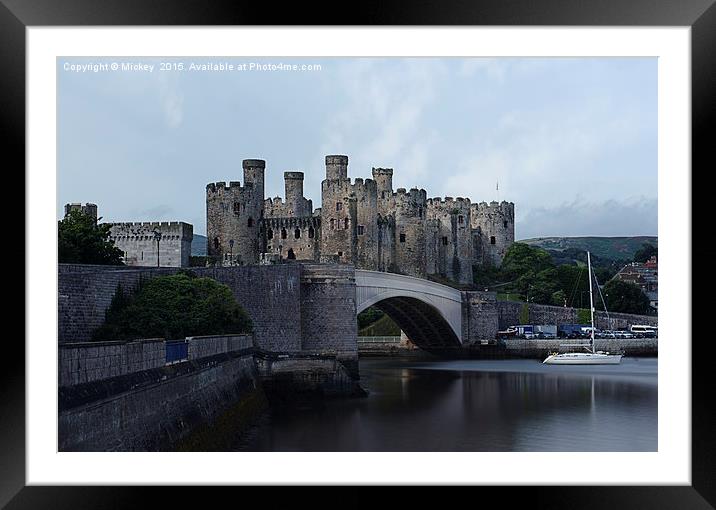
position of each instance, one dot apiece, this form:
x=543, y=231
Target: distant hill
x=614, y=248
x=198, y=245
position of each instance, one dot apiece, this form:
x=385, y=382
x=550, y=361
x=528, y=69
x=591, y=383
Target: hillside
x=198, y=245
x=614, y=248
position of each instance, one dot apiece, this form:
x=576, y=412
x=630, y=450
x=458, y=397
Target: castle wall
x=385, y=242
x=139, y=246
x=493, y=231
x=297, y=238
x=453, y=252
x=362, y=222
x=270, y=295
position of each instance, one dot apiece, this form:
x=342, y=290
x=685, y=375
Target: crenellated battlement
x=458, y=202
x=357, y=185
x=137, y=229
x=414, y=193
x=233, y=187
x=365, y=222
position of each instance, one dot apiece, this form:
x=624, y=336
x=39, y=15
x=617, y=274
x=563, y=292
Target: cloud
x=630, y=217
x=172, y=102
x=382, y=118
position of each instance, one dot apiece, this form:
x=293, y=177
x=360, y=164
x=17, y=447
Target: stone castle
x=363, y=222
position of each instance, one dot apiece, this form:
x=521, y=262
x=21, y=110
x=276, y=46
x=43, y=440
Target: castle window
x=216, y=243
x=311, y=232
x=420, y=212
x=382, y=194
x=237, y=208
x=339, y=206
x=270, y=234
x=251, y=222
x=142, y=255
x=492, y=239
x=284, y=235
x=345, y=223
x=461, y=219
x=360, y=230
x=505, y=223
x=291, y=255
x=445, y=242
x=340, y=253
x=402, y=238
x=297, y=233
x=333, y=223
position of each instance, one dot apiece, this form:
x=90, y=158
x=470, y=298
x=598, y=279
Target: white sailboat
x=591, y=357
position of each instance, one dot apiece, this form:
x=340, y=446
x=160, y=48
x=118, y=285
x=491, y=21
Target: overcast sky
x=572, y=142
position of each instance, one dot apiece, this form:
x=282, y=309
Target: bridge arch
x=428, y=312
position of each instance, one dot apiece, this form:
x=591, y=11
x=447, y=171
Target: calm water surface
x=475, y=405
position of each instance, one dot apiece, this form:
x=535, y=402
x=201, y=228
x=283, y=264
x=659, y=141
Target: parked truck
x=571, y=330
x=546, y=331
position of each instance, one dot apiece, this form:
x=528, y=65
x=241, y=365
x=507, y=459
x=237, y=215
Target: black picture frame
x=17, y=15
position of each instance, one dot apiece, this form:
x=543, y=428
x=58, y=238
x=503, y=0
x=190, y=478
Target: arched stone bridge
x=429, y=313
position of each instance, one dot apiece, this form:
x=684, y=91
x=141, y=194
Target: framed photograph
x=558, y=121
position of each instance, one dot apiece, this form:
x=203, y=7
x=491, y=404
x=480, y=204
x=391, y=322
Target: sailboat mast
x=591, y=302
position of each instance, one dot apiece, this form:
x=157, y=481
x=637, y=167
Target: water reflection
x=512, y=405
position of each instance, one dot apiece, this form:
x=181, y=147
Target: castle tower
x=348, y=217
x=233, y=214
x=410, y=213
x=493, y=231
x=384, y=181
x=254, y=175
x=450, y=240
x=88, y=209
x=295, y=203
x=336, y=167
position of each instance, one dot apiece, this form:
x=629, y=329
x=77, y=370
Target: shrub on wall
x=583, y=316
x=174, y=307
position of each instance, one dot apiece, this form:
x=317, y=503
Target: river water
x=474, y=405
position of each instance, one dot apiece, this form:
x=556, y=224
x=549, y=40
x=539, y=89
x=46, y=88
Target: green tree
x=645, y=252
x=82, y=241
x=625, y=297
x=173, y=307
x=522, y=259
x=369, y=316
x=559, y=298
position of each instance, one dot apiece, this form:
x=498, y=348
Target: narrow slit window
x=492, y=239
x=284, y=235
x=402, y=238
x=297, y=233
x=360, y=230
x=445, y=241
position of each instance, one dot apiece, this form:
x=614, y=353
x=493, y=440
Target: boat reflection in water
x=475, y=405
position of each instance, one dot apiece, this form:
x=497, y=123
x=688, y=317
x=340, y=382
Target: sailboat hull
x=578, y=358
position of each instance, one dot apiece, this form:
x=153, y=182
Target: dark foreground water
x=475, y=405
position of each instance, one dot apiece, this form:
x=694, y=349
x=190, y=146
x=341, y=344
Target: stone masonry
x=138, y=242
x=363, y=222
